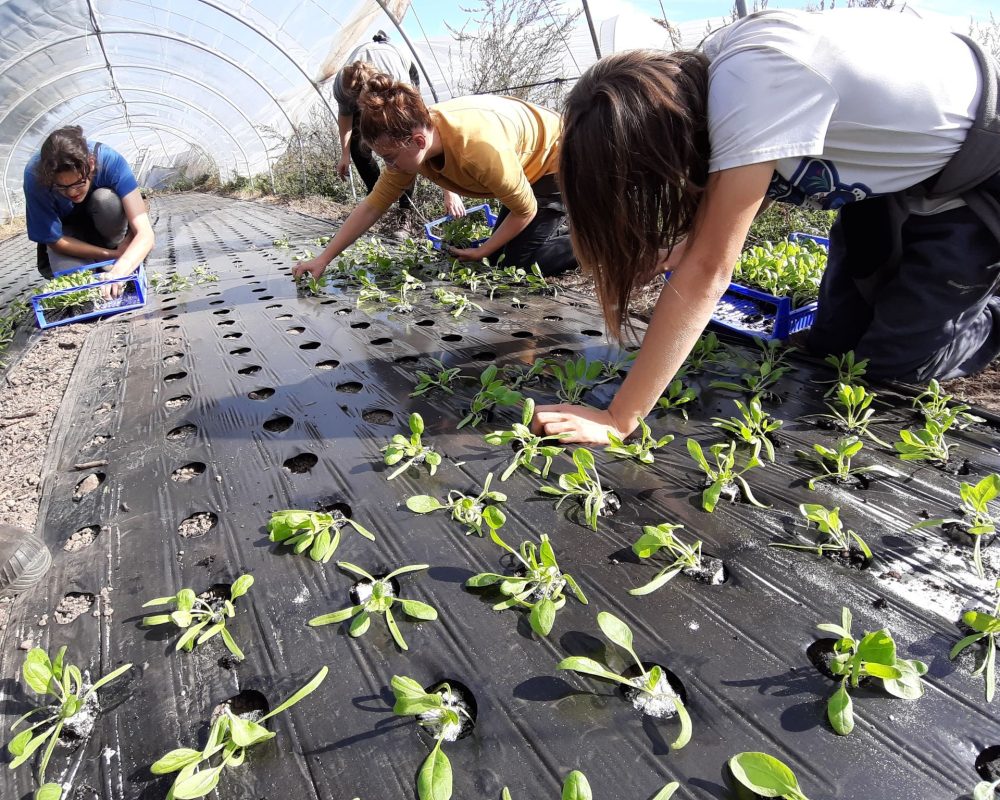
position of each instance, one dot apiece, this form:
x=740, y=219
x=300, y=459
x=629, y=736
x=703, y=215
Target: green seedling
x=442, y=379
x=493, y=393
x=70, y=299
x=456, y=302
x=853, y=413
x=471, y=511
x=16, y=310
x=677, y=396
x=379, y=598
x=322, y=241
x=753, y=427
x=469, y=278
x=164, y=284
x=640, y=450
x=538, y=583
x=985, y=628
x=760, y=374
x=527, y=446
x=929, y=442
x=405, y=283
x=656, y=696
x=661, y=537
x=835, y=462
x=835, y=538
x=532, y=280
x=783, y=269
x=576, y=377
x=723, y=477
x=229, y=738
x=304, y=255
x=707, y=352
x=313, y=286
x=874, y=656
x=976, y=518
x=765, y=775
x=518, y=375
x=370, y=292
x=933, y=403
x=463, y=232
x=201, y=618
x=612, y=369
x=585, y=485
x=282, y=244
x=411, y=452
x=67, y=692
x=849, y=371
x=577, y=787
x=315, y=531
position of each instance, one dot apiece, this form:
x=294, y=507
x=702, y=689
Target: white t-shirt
x=851, y=103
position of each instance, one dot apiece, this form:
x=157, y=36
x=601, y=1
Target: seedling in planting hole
x=576, y=377
x=760, y=375
x=441, y=380
x=538, y=585
x=723, y=476
x=284, y=244
x=322, y=241
x=379, y=601
x=440, y=711
x=304, y=255
x=516, y=376
x=975, y=504
x=874, y=656
x=707, y=352
x=471, y=511
x=405, y=284
x=577, y=787
x=641, y=450
x=835, y=462
x=456, y=302
x=828, y=522
x=370, y=291
x=67, y=692
x=677, y=396
x=657, y=696
x=765, y=775
x=753, y=427
x=313, y=286
x=655, y=538
x=413, y=450
x=199, y=771
x=196, y=614
x=315, y=531
x=528, y=447
x=613, y=369
x=493, y=393
x=849, y=371
x=985, y=790
x=584, y=484
x=933, y=403
x=986, y=627
x=927, y=443
x=857, y=413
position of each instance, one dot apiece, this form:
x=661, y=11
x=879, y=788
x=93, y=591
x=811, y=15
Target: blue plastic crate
x=491, y=220
x=134, y=296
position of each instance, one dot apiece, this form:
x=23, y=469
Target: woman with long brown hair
x=482, y=146
x=882, y=116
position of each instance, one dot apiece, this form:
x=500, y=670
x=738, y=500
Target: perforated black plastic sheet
x=200, y=380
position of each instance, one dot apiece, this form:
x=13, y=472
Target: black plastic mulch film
x=177, y=385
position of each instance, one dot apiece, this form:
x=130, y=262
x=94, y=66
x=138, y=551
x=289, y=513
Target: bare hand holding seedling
x=576, y=424
x=313, y=266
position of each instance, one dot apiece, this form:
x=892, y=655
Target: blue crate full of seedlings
x=79, y=298
x=461, y=231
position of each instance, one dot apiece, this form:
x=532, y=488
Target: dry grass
x=11, y=227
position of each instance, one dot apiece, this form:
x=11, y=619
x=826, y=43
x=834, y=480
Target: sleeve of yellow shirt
x=389, y=188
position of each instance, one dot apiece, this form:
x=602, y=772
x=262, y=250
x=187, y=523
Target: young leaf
x=765, y=775
x=434, y=779
x=543, y=616
x=240, y=586
x=423, y=504
x=175, y=760
x=309, y=688
x=576, y=787
x=840, y=710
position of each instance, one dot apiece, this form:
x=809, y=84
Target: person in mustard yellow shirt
x=481, y=146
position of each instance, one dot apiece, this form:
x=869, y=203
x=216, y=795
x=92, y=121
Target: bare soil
x=982, y=390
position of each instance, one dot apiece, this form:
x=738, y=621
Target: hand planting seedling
x=754, y=427
x=585, y=485
x=527, y=446
x=838, y=540
x=70, y=299
x=849, y=371
x=413, y=450
x=229, y=738
x=985, y=627
x=456, y=302
x=441, y=380
x=783, y=269
x=197, y=614
x=377, y=597
x=492, y=394
x=641, y=450
x=765, y=775
x=313, y=286
x=686, y=557
x=538, y=583
x=835, y=462
x=976, y=519
x=441, y=712
x=677, y=396
x=577, y=787
x=723, y=479
x=874, y=656
x=653, y=694
x=576, y=377
x=473, y=512
x=856, y=414
x=315, y=531
x=71, y=703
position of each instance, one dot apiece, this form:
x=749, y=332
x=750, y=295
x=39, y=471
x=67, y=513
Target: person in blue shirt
x=83, y=205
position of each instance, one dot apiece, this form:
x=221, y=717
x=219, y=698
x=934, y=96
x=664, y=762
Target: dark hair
x=64, y=150
x=633, y=165
x=391, y=108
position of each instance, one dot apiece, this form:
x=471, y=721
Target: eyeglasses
x=68, y=187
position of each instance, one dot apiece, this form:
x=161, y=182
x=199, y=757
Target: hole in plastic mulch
x=222, y=311
x=451, y=337
x=381, y=340
x=488, y=319
x=362, y=590
x=591, y=332
x=330, y=363
x=230, y=336
x=459, y=696
x=278, y=424
x=651, y=706
x=261, y=394
x=197, y=524
x=301, y=464
x=82, y=538
x=407, y=360
x=181, y=432
x=988, y=763
x=226, y=323
x=350, y=387
x=187, y=472
x=253, y=369
x=239, y=351
x=309, y=346
x=522, y=334
x=173, y=358
x=73, y=605
x=425, y=323
x=484, y=355
x=377, y=416
x=248, y=704
x=552, y=318
x=295, y=330
x=87, y=485
x=360, y=325
x=174, y=376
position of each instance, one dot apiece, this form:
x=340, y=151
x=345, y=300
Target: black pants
x=914, y=294
x=545, y=241
x=367, y=166
x=98, y=220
